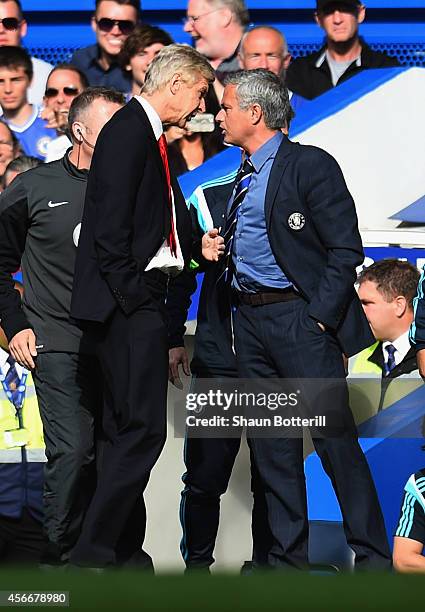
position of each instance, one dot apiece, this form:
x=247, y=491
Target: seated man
x=23, y=118
x=409, y=539
x=386, y=291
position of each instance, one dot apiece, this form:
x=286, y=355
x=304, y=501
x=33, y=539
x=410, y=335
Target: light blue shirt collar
x=266, y=151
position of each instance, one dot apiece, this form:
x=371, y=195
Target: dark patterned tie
x=12, y=382
x=390, y=363
x=243, y=180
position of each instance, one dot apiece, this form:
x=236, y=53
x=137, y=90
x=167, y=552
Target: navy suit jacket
x=313, y=232
x=126, y=218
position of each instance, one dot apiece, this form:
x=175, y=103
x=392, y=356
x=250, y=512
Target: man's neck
x=78, y=158
x=400, y=331
x=258, y=139
x=345, y=51
x=19, y=116
x=135, y=88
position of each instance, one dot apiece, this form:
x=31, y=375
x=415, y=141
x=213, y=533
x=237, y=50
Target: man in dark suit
x=135, y=232
x=296, y=311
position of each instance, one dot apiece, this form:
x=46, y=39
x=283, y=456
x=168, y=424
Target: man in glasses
x=65, y=82
x=13, y=28
x=344, y=55
x=113, y=21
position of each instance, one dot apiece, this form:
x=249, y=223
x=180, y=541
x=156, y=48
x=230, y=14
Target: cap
x=322, y=4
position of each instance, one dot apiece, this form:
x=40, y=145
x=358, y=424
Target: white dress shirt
x=401, y=345
x=163, y=260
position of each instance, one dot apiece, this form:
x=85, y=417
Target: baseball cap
x=322, y=4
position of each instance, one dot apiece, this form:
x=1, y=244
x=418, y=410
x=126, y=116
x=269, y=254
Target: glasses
x=190, y=19
x=10, y=23
x=125, y=25
x=52, y=92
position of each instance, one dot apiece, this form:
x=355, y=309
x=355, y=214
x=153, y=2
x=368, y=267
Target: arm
x=407, y=556
x=14, y=222
x=335, y=220
x=417, y=329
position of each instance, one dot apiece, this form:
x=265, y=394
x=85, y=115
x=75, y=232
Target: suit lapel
x=276, y=175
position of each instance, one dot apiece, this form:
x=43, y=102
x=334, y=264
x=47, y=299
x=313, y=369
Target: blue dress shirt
x=254, y=263
x=87, y=60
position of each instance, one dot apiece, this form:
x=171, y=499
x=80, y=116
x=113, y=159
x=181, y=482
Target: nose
x=263, y=62
x=202, y=107
x=188, y=26
x=7, y=86
x=115, y=30
x=337, y=15
x=219, y=115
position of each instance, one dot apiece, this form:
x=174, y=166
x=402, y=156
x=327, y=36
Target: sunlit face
x=14, y=84
x=188, y=100
x=140, y=62
x=234, y=122
x=204, y=23
x=341, y=21
x=382, y=315
x=67, y=84
x=11, y=38
x=111, y=42
x=263, y=48
x=7, y=152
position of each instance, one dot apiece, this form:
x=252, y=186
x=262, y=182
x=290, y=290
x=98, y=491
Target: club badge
x=296, y=221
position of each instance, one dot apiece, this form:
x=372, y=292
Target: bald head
x=264, y=47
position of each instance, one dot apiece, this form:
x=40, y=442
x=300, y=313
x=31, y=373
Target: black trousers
x=69, y=398
x=133, y=353
x=209, y=464
x=282, y=341
x=21, y=540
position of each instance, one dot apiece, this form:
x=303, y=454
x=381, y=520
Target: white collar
x=402, y=346
x=323, y=56
x=153, y=116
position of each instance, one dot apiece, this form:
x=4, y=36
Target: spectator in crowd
x=21, y=462
x=264, y=47
x=386, y=291
x=13, y=27
x=40, y=215
x=344, y=55
x=22, y=117
x=417, y=330
x=9, y=147
x=409, y=538
x=17, y=166
x=112, y=22
x=64, y=83
x=138, y=51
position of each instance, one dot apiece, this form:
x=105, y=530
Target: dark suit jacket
x=126, y=218
x=319, y=254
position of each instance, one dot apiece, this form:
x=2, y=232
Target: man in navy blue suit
x=296, y=310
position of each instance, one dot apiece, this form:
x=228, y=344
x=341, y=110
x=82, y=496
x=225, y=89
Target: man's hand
x=420, y=357
x=212, y=245
x=22, y=348
x=56, y=120
x=177, y=356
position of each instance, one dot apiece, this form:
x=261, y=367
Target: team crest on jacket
x=296, y=221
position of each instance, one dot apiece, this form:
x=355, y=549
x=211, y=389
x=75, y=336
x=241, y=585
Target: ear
x=318, y=19
x=76, y=128
x=93, y=24
x=400, y=305
x=175, y=83
x=361, y=14
x=286, y=61
x=240, y=60
x=23, y=28
x=226, y=17
x=256, y=114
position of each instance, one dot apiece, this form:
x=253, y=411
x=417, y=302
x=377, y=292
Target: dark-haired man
x=344, y=55
x=40, y=218
x=21, y=116
x=13, y=27
x=112, y=22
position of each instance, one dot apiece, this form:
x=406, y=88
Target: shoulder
x=310, y=154
x=84, y=55
x=376, y=59
x=306, y=62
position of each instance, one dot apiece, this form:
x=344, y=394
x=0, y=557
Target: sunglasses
x=10, y=23
x=125, y=25
x=52, y=92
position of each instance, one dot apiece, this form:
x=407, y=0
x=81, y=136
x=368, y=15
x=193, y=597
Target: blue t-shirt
x=34, y=136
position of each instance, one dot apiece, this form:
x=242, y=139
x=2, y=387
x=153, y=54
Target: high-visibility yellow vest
x=15, y=435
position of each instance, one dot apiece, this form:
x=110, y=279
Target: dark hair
x=16, y=57
x=392, y=278
x=72, y=68
x=81, y=103
x=15, y=141
x=18, y=4
x=22, y=164
x=133, y=3
x=143, y=36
